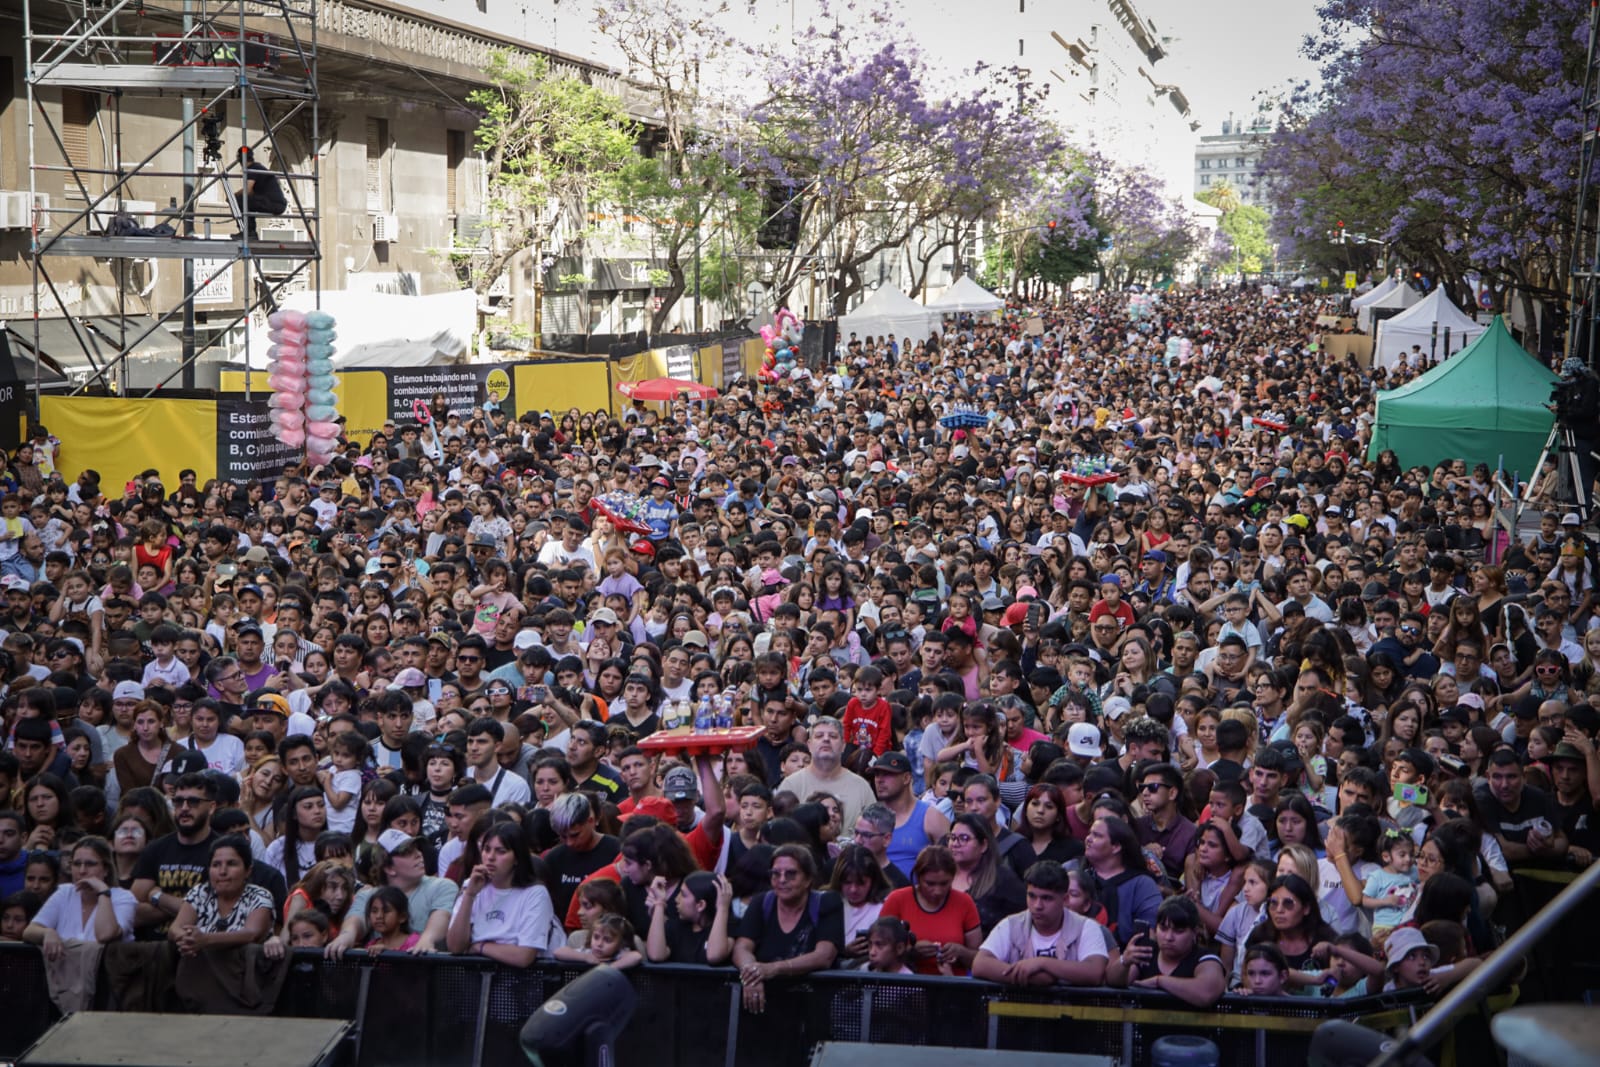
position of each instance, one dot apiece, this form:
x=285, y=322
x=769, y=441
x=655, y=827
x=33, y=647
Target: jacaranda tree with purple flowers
x=1449, y=128
x=849, y=119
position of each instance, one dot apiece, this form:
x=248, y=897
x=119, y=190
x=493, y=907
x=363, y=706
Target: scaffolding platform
x=149, y=79
x=215, y=74
x=176, y=248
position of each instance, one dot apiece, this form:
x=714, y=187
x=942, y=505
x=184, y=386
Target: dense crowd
x=1259, y=714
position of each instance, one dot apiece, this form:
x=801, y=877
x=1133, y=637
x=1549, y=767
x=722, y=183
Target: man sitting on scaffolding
x=261, y=194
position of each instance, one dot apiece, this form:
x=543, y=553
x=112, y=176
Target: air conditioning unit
x=13, y=210
x=385, y=229
x=279, y=268
x=16, y=210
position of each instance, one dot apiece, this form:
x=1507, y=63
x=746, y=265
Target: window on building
x=1238, y=162
x=455, y=155
x=377, y=164
x=1205, y=179
x=78, y=113
x=1205, y=164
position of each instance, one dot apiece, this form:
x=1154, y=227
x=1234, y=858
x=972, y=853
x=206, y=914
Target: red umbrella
x=666, y=389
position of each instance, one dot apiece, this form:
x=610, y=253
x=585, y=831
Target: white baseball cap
x=1084, y=740
x=128, y=691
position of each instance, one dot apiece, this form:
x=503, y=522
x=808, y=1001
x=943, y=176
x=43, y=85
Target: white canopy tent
x=967, y=295
x=1401, y=296
x=1434, y=323
x=1373, y=294
x=890, y=311
x=387, y=330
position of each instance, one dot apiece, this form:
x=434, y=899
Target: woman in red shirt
x=943, y=920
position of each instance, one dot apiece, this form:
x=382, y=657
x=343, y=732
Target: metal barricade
x=413, y=1011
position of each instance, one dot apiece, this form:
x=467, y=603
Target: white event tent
x=967, y=295
x=1434, y=323
x=890, y=311
x=1399, y=297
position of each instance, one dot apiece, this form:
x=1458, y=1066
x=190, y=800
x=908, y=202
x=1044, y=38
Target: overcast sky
x=1228, y=50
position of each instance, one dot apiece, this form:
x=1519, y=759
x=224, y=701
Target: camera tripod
x=1568, y=488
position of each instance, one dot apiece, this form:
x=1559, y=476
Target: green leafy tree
x=552, y=146
x=688, y=186
x=1246, y=227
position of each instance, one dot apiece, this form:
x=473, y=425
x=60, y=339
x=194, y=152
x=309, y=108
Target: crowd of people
x=1252, y=716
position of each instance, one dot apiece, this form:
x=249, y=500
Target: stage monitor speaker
x=846, y=1054
x=138, y=1039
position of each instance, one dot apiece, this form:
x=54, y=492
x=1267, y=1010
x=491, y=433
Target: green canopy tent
x=1483, y=404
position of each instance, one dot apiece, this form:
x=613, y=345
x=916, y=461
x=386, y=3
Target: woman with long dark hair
x=1294, y=923
x=304, y=816
x=980, y=873
x=943, y=920
x=504, y=911
x=859, y=880
x=1131, y=896
x=1044, y=826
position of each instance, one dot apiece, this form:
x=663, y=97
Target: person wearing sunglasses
x=171, y=866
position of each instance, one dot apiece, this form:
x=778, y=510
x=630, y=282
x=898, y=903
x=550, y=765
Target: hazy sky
x=1228, y=50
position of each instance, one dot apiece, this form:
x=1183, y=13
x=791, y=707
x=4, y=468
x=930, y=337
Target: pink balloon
x=292, y=438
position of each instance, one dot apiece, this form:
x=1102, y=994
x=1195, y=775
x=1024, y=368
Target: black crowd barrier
x=434, y=1009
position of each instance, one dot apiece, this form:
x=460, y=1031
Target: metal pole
x=1499, y=966
x=187, y=335
x=699, y=231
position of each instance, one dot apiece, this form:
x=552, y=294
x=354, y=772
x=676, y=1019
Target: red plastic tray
x=1090, y=480
x=1269, y=424
x=712, y=742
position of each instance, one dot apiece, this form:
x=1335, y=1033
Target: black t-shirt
x=770, y=758
x=174, y=866
x=1536, y=804
x=607, y=780
x=684, y=943
x=1008, y=897
x=177, y=868
x=1062, y=850
x=760, y=924
x=568, y=867
x=494, y=659
x=1580, y=822
x=649, y=725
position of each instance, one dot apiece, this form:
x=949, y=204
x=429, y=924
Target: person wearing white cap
x=1083, y=741
x=1411, y=959
x=119, y=731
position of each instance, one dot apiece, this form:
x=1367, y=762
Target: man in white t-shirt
x=1047, y=943
x=483, y=739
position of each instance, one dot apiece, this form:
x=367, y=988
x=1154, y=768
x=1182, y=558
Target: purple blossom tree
x=850, y=121
x=1449, y=128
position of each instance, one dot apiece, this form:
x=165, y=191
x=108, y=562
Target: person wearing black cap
x=917, y=823
x=1576, y=811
